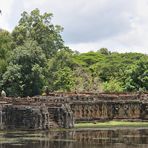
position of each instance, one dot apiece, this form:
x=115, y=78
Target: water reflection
x=111, y=138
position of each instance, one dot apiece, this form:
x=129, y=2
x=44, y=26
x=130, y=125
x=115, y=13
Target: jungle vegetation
x=33, y=57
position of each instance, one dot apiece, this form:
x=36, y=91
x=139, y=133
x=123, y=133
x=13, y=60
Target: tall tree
x=64, y=79
x=5, y=43
x=39, y=28
x=62, y=63
x=25, y=72
x=136, y=76
x=5, y=48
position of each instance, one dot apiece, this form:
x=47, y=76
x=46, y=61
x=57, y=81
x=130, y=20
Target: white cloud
x=5, y=7
x=119, y=25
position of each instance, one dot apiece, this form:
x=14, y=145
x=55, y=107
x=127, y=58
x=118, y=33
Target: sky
x=119, y=25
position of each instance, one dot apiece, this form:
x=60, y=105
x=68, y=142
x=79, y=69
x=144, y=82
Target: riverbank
x=111, y=124
x=107, y=125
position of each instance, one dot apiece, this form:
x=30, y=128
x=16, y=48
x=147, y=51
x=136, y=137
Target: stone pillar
x=1, y=119
x=68, y=119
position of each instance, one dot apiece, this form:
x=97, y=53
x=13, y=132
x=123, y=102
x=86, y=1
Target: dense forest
x=34, y=59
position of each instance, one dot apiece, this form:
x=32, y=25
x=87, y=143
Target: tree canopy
x=38, y=27
x=34, y=57
x=25, y=72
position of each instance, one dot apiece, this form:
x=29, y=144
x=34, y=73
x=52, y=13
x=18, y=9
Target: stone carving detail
x=63, y=110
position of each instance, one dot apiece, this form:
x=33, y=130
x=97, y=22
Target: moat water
x=82, y=138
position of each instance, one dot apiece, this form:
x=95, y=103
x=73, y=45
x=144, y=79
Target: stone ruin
x=64, y=109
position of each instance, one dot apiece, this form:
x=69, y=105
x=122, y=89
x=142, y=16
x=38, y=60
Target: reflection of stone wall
x=108, y=138
x=96, y=138
x=104, y=137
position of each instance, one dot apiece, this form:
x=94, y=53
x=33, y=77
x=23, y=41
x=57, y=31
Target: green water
x=80, y=138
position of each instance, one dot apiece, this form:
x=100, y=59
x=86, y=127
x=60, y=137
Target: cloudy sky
x=119, y=25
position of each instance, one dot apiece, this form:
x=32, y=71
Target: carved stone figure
x=3, y=94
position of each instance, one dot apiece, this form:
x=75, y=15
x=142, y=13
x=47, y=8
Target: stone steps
x=52, y=123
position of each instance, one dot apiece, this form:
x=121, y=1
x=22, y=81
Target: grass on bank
x=111, y=124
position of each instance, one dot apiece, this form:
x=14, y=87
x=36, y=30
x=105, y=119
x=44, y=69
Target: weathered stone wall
x=129, y=110
x=35, y=117
x=111, y=107
x=62, y=110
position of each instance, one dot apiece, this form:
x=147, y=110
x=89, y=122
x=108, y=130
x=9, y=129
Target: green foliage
x=104, y=51
x=3, y=67
x=34, y=56
x=5, y=43
x=25, y=72
x=63, y=58
x=112, y=86
x=12, y=80
x=130, y=69
x=136, y=77
x=39, y=28
x=61, y=64
x=89, y=58
x=64, y=80
x=111, y=124
x=5, y=48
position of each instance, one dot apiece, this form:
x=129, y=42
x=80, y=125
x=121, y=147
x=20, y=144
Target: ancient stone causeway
x=64, y=109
